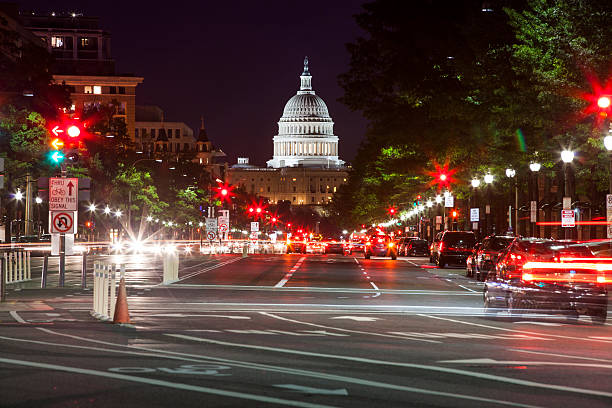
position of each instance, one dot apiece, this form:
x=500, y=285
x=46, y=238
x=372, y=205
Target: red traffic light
x=603, y=102
x=73, y=131
x=224, y=192
x=289, y=225
x=419, y=197
x=251, y=209
x=258, y=210
x=454, y=214
x=391, y=210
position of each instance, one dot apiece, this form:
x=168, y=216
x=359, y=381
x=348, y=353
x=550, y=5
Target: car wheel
x=599, y=317
x=394, y=256
x=441, y=262
x=367, y=256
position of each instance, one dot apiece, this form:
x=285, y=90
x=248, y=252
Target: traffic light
x=455, y=213
x=391, y=211
x=90, y=225
x=224, y=192
x=72, y=156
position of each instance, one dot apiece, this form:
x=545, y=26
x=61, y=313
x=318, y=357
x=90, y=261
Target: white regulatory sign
x=474, y=214
x=62, y=222
x=211, y=224
x=63, y=194
x=568, y=218
x=254, y=226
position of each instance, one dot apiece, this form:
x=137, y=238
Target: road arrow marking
x=310, y=390
x=489, y=361
x=357, y=318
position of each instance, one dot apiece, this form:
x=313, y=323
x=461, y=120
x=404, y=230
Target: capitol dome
x=305, y=131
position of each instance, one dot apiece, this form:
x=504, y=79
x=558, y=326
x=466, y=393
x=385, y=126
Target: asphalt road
x=296, y=330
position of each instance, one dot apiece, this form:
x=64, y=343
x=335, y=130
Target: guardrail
x=17, y=266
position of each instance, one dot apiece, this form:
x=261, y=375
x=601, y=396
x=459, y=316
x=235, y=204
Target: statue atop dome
x=306, y=72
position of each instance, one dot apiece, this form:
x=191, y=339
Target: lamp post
x=511, y=173
x=18, y=196
x=567, y=156
x=38, y=202
x=488, y=179
x=533, y=208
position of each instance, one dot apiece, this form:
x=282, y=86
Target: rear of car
x=417, y=247
x=556, y=276
x=334, y=247
x=296, y=244
x=454, y=247
x=380, y=245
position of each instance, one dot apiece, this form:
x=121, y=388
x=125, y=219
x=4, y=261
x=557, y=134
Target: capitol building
x=305, y=168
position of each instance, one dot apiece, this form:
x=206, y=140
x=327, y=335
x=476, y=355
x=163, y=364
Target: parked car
x=416, y=247
x=380, y=245
x=557, y=276
x=402, y=243
x=453, y=247
x=486, y=256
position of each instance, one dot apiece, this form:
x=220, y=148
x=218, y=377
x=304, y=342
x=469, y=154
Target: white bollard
x=170, y=264
x=113, y=282
x=29, y=268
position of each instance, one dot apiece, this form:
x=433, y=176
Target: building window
x=136, y=132
x=169, y=133
x=294, y=199
x=294, y=179
x=186, y=146
x=177, y=133
x=261, y=189
x=122, y=90
x=112, y=90
x=88, y=89
x=294, y=189
x=312, y=199
x=334, y=189
x=268, y=189
x=97, y=89
x=153, y=133
x=71, y=88
x=84, y=42
x=57, y=42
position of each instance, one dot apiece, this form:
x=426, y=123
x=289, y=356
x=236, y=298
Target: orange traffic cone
x=121, y=308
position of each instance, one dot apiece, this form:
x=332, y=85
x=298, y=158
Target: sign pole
x=62, y=260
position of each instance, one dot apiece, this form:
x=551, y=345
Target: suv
x=416, y=247
x=380, y=245
x=453, y=246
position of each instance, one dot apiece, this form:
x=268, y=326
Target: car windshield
x=460, y=240
x=419, y=243
x=499, y=243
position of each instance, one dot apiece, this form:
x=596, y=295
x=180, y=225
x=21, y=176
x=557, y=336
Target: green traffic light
x=56, y=157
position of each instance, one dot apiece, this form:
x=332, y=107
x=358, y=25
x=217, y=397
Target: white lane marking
x=344, y=330
x=540, y=323
x=210, y=268
x=310, y=390
x=489, y=361
x=561, y=355
x=18, y=318
x=198, y=315
x=357, y=318
x=514, y=330
x=447, y=370
x=356, y=261
x=600, y=337
x=199, y=358
x=161, y=383
x=471, y=290
x=470, y=336
x=374, y=285
x=410, y=262
x=282, y=282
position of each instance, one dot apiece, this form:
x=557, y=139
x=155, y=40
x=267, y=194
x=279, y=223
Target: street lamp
x=107, y=210
x=475, y=183
x=511, y=173
x=533, y=205
x=38, y=201
x=488, y=178
x=18, y=196
x=567, y=156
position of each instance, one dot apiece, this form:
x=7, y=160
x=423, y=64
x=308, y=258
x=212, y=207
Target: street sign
x=438, y=219
x=222, y=227
x=63, y=194
x=211, y=225
x=254, y=234
x=609, y=214
x=62, y=222
x=254, y=226
x=211, y=235
x=568, y=218
x=533, y=211
x=474, y=214
x=449, y=201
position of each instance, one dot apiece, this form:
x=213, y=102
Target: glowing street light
x=107, y=210
x=535, y=167
x=567, y=156
x=18, y=195
x=149, y=218
x=488, y=178
x=438, y=199
x=608, y=142
x=38, y=200
x=510, y=172
x=429, y=203
x=475, y=183
x=92, y=207
x=118, y=213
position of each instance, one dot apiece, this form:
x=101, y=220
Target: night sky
x=234, y=62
